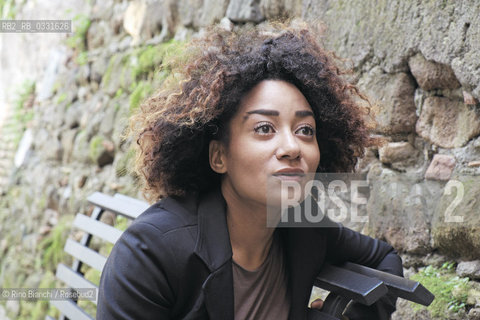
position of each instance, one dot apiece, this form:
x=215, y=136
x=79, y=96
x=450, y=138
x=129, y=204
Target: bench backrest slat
x=117, y=205
x=71, y=309
x=350, y=284
x=97, y=228
x=139, y=203
x=74, y=279
x=86, y=255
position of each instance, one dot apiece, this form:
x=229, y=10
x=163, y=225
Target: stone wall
x=418, y=61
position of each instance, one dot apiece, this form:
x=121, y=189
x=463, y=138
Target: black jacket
x=175, y=262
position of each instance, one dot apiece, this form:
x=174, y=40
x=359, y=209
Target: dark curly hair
x=173, y=128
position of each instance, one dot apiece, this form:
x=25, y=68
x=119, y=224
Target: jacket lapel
x=214, y=249
x=303, y=265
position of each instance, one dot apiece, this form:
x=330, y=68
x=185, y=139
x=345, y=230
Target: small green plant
x=118, y=93
x=140, y=92
x=52, y=245
x=24, y=93
x=82, y=58
x=77, y=41
x=108, y=73
x=95, y=147
x=450, y=291
x=22, y=109
x=61, y=97
x=7, y=9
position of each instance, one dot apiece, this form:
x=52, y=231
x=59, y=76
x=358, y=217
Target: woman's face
x=272, y=136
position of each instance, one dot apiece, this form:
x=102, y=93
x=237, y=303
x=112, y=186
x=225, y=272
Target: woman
x=252, y=106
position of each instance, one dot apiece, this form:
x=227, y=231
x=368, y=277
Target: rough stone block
x=399, y=209
x=468, y=98
x=143, y=19
x=474, y=314
x=455, y=221
x=67, y=142
x=393, y=100
x=441, y=167
x=244, y=11
x=396, y=151
x=469, y=269
x=431, y=75
x=447, y=123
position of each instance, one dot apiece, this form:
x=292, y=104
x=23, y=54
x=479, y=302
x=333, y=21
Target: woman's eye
x=306, y=131
x=264, y=129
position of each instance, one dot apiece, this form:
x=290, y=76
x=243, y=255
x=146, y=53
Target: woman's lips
x=290, y=174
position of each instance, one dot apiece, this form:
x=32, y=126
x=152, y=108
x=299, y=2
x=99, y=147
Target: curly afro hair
x=173, y=128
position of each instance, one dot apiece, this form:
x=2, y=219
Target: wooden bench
x=345, y=283
x=119, y=204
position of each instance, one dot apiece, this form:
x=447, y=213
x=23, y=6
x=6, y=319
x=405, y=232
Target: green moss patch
x=450, y=291
x=139, y=93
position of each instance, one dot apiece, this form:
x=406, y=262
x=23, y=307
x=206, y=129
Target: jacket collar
x=213, y=247
x=213, y=241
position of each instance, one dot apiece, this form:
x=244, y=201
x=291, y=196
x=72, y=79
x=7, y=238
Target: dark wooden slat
x=97, y=228
x=350, y=284
x=71, y=310
x=116, y=205
x=74, y=280
x=401, y=287
x=84, y=254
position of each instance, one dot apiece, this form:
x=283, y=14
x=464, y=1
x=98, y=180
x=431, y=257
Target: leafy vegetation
x=78, y=40
x=7, y=9
x=23, y=112
x=141, y=91
x=450, y=291
x=52, y=245
x=96, y=147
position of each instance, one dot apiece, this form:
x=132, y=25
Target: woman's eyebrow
x=267, y=112
x=304, y=113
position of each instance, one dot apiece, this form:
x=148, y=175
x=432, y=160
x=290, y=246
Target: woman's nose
x=288, y=146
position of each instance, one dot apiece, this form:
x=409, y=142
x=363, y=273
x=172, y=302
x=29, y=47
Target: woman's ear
x=216, y=156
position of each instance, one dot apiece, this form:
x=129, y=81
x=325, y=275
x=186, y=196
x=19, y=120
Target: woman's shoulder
x=168, y=215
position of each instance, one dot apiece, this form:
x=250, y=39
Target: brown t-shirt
x=262, y=293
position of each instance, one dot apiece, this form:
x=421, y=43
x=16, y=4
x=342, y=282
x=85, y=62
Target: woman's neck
x=249, y=236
